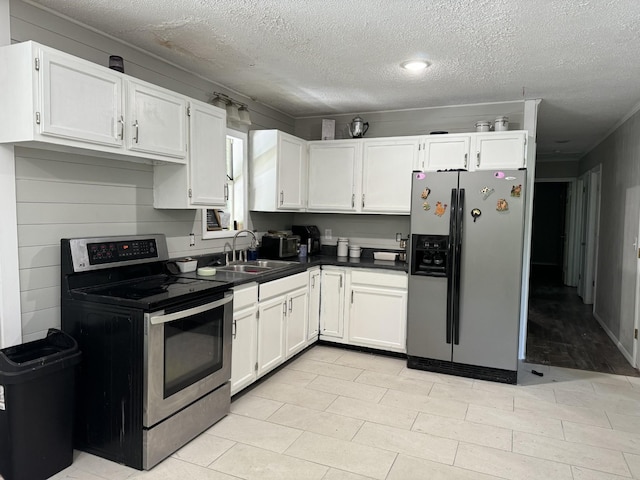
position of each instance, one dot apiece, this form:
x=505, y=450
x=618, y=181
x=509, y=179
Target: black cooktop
x=152, y=292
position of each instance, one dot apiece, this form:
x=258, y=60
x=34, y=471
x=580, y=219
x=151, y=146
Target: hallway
x=562, y=331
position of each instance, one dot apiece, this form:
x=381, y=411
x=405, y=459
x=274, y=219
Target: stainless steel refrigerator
x=465, y=269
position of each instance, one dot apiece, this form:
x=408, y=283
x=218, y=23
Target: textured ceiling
x=313, y=57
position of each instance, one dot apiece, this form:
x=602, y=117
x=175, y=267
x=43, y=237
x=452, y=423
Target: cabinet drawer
x=283, y=285
x=245, y=296
x=381, y=279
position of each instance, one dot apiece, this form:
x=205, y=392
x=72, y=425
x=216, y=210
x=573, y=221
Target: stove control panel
x=110, y=252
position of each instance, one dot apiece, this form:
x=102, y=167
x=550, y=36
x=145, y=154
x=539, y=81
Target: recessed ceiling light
x=415, y=65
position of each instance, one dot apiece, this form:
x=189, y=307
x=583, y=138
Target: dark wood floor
x=562, y=331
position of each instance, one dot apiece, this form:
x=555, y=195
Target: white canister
x=343, y=247
x=502, y=124
x=354, y=251
x=483, y=126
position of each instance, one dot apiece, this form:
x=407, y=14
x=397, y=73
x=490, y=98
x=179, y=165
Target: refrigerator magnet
x=425, y=193
x=516, y=190
x=475, y=213
x=440, y=208
x=498, y=175
x=426, y=206
x=502, y=205
x=486, y=192
x=420, y=176
x=510, y=178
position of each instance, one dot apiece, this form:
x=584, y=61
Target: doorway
x=561, y=328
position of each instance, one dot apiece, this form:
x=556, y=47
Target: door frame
x=592, y=218
x=636, y=323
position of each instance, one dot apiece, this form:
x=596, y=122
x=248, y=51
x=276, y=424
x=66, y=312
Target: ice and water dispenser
x=429, y=255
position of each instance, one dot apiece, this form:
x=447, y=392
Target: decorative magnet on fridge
x=486, y=192
x=426, y=206
x=516, y=190
x=425, y=193
x=440, y=208
x=475, y=213
x=498, y=175
x=502, y=205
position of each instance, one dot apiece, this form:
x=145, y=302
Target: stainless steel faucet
x=255, y=240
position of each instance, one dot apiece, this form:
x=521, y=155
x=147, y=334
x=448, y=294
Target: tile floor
x=335, y=414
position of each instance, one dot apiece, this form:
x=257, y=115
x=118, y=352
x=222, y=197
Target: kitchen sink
x=256, y=266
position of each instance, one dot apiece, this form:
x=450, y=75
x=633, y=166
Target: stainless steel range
x=158, y=348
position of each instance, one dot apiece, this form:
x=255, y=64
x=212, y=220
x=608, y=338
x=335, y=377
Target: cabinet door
x=386, y=175
x=500, y=150
x=314, y=306
x=156, y=121
x=207, y=159
x=378, y=317
x=291, y=172
x=446, y=152
x=271, y=314
x=297, y=317
x=332, y=304
x=243, y=352
x=332, y=173
x=80, y=100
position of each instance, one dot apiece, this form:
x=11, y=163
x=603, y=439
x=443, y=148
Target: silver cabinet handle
x=121, y=122
x=340, y=281
x=284, y=308
x=226, y=192
x=135, y=136
x=478, y=159
x=290, y=305
x=235, y=328
x=466, y=155
x=170, y=317
x=363, y=200
x=281, y=197
x=353, y=200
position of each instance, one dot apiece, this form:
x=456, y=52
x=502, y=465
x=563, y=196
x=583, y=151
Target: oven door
x=187, y=355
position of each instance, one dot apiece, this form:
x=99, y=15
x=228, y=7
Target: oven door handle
x=170, y=317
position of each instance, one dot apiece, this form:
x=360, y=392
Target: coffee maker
x=309, y=236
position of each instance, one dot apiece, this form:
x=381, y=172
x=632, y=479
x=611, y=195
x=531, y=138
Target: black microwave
x=279, y=246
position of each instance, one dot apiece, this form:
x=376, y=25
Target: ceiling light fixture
x=415, y=65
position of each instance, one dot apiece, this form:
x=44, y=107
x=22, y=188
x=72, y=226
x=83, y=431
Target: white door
x=297, y=317
x=445, y=152
x=499, y=150
x=378, y=317
x=271, y=314
x=291, y=172
x=591, y=235
x=156, y=121
x=207, y=159
x=314, y=305
x=386, y=175
x=332, y=303
x=80, y=100
x=332, y=176
x=244, y=349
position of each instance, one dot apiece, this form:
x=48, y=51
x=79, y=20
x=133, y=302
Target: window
x=225, y=222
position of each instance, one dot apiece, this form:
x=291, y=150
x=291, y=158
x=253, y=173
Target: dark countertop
x=298, y=265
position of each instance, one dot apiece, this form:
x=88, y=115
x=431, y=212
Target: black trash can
x=37, y=381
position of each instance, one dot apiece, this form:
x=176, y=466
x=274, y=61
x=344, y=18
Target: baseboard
x=614, y=339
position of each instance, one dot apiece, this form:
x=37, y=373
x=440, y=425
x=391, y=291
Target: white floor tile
x=373, y=363
x=346, y=388
x=581, y=473
x=589, y=416
x=253, y=463
x=203, y=449
x=424, y=403
x=412, y=468
x=254, y=407
x=283, y=392
x=626, y=423
x=102, y=468
x=292, y=377
x=335, y=474
x=521, y=421
x=463, y=430
x=361, y=459
x=326, y=369
x=436, y=377
x=633, y=461
x=472, y=396
x=373, y=412
x=395, y=382
x=323, y=353
x=602, y=437
x=324, y=423
x=517, y=391
x=172, y=469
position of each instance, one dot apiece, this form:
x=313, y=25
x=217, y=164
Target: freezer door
x=491, y=268
x=431, y=202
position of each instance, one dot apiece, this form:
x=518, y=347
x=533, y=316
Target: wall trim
x=613, y=338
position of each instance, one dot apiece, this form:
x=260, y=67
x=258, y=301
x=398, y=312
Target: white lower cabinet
x=271, y=315
x=378, y=309
x=244, y=334
x=332, y=303
x=313, y=325
x=296, y=320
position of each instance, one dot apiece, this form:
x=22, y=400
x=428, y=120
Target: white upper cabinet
x=333, y=166
x=386, y=174
x=445, y=152
x=157, y=120
x=203, y=182
x=500, y=150
x=277, y=170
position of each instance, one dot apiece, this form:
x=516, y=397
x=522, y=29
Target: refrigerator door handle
x=451, y=263
x=458, y=262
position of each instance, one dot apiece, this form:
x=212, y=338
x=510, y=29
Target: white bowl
x=186, y=266
x=385, y=255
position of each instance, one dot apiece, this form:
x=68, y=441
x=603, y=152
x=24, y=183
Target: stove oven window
x=192, y=349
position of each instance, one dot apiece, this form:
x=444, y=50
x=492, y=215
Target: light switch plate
x=327, y=233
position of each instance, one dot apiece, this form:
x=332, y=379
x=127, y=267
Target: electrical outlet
x=192, y=239
x=398, y=237
x=327, y=233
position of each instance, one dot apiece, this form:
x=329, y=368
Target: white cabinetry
x=244, y=332
x=203, y=182
x=157, y=120
x=283, y=312
x=277, y=171
x=378, y=309
x=334, y=168
x=445, y=152
x=315, y=282
x=500, y=150
x=332, y=303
